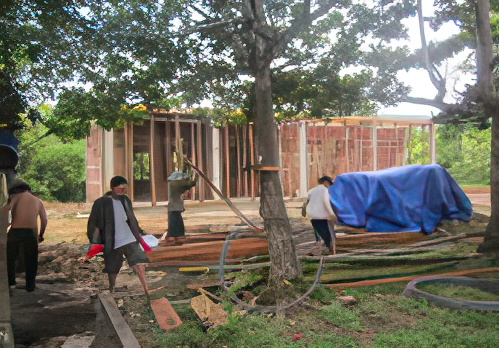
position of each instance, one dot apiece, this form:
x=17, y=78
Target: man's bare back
x=25, y=210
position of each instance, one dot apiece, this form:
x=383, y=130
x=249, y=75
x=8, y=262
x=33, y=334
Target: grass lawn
x=382, y=317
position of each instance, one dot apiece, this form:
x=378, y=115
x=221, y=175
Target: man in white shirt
x=113, y=223
x=321, y=213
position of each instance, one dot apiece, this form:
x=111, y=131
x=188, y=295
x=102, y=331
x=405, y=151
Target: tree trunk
x=491, y=240
x=489, y=100
x=284, y=262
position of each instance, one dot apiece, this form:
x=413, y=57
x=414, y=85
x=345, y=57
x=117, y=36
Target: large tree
x=255, y=37
x=480, y=101
x=154, y=52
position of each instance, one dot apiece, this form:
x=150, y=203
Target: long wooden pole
x=238, y=160
x=252, y=162
x=227, y=160
x=226, y=199
x=200, y=158
x=152, y=174
x=177, y=140
x=193, y=156
x=245, y=160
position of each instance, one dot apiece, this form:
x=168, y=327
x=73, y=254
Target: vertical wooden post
x=245, y=160
x=355, y=147
x=177, y=139
x=238, y=160
x=130, y=161
x=389, y=149
x=361, y=144
x=347, y=154
x=303, y=159
x=200, y=159
x=127, y=145
x=193, y=157
x=227, y=160
x=168, y=149
x=409, y=145
x=396, y=144
x=252, y=162
x=375, y=144
x=433, y=152
x=152, y=175
x=216, y=160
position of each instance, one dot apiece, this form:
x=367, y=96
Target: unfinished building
x=308, y=149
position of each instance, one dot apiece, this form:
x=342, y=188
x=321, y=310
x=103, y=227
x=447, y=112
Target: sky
x=419, y=79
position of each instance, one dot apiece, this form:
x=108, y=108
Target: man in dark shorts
x=178, y=183
x=321, y=214
x=113, y=223
x=25, y=209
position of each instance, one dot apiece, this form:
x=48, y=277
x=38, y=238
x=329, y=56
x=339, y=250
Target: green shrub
x=53, y=169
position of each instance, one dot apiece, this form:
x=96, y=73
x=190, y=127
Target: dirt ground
x=63, y=303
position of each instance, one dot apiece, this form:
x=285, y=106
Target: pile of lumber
x=199, y=252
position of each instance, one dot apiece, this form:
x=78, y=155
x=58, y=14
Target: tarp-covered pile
x=401, y=199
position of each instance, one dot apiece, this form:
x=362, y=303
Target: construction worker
x=321, y=214
x=178, y=183
x=25, y=209
x=113, y=223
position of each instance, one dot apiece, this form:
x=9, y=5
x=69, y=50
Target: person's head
x=118, y=186
x=326, y=181
x=18, y=186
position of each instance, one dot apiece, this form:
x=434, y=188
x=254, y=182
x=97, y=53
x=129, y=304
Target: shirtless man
x=25, y=209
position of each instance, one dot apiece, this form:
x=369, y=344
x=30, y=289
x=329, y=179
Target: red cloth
x=97, y=248
x=94, y=250
x=144, y=246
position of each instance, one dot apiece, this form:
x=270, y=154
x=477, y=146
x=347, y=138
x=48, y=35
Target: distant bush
x=54, y=170
x=464, y=150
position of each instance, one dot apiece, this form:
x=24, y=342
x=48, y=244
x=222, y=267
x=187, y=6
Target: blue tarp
x=401, y=199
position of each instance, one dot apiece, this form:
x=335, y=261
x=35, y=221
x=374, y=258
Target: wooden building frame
x=307, y=149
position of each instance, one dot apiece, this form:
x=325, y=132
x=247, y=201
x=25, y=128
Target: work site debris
x=210, y=313
x=165, y=315
x=347, y=300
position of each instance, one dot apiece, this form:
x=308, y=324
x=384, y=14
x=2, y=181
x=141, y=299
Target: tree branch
x=439, y=83
x=430, y=102
x=305, y=19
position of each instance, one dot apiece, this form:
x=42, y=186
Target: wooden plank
x=252, y=161
x=238, y=160
x=245, y=164
x=265, y=168
x=193, y=157
x=408, y=278
x=200, y=158
x=227, y=160
x=152, y=166
x=246, y=247
x=165, y=315
x=122, y=329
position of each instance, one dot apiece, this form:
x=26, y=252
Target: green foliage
x=419, y=148
x=465, y=151
x=53, y=169
x=141, y=168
